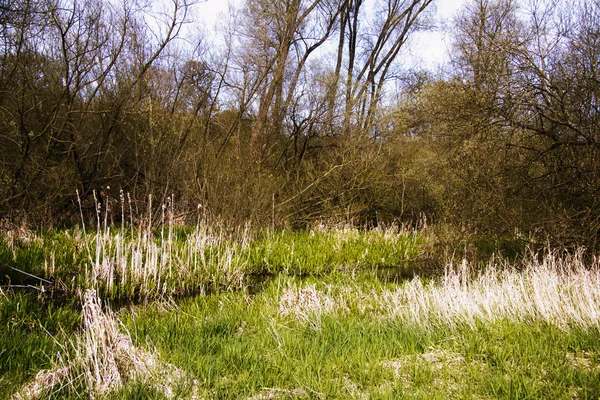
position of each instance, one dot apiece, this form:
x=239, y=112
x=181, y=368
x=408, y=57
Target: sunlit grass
x=31, y=334
x=313, y=339
x=141, y=264
x=562, y=291
x=101, y=360
x=262, y=314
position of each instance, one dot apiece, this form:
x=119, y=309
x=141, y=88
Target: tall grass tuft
x=557, y=289
x=102, y=360
x=138, y=265
x=142, y=262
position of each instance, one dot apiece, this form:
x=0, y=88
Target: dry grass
x=562, y=291
x=104, y=359
x=583, y=360
x=306, y=303
x=144, y=265
x=559, y=290
x=43, y=382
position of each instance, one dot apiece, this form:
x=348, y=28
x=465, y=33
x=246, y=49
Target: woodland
x=290, y=207
x=297, y=112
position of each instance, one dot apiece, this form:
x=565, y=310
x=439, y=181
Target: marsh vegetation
x=293, y=211
x=193, y=312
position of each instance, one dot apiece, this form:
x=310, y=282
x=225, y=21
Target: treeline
x=304, y=112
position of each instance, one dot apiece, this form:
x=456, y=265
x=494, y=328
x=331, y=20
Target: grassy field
x=199, y=313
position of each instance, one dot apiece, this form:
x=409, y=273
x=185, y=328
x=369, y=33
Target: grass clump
x=102, y=360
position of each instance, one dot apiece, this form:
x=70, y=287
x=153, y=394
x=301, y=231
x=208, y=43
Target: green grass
x=31, y=333
x=262, y=314
x=238, y=347
x=320, y=251
x=132, y=264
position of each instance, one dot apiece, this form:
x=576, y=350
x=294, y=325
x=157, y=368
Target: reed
x=553, y=288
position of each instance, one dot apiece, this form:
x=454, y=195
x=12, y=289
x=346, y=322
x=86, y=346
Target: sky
x=428, y=49
x=431, y=48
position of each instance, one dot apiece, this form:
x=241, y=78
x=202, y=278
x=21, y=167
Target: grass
x=31, y=333
x=141, y=265
x=322, y=251
x=242, y=347
x=208, y=313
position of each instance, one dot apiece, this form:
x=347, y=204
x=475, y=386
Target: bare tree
x=372, y=52
x=72, y=69
x=287, y=32
x=524, y=97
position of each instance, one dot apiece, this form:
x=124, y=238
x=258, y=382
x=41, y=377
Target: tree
x=71, y=72
x=286, y=33
x=560, y=76
x=524, y=126
x=372, y=52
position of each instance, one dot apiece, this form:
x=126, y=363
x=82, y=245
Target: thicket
x=106, y=100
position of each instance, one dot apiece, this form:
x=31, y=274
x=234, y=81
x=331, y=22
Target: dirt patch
x=583, y=360
x=441, y=372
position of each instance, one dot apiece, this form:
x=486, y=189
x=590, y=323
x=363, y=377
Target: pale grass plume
x=103, y=360
x=558, y=289
x=145, y=262
x=144, y=265
x=306, y=304
x=43, y=382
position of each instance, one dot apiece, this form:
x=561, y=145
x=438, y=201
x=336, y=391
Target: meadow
x=205, y=312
